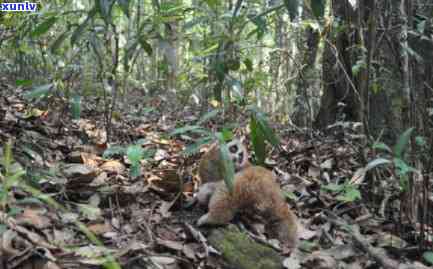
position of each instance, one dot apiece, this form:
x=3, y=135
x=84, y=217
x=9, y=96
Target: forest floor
x=76, y=186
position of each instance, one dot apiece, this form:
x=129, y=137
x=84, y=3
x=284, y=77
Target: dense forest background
x=334, y=95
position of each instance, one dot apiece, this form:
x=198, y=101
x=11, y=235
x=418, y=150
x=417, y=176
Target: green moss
x=239, y=251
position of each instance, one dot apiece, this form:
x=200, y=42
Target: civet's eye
x=233, y=149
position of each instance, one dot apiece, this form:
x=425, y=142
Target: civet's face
x=238, y=154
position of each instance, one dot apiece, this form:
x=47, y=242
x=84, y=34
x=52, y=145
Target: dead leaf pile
x=76, y=190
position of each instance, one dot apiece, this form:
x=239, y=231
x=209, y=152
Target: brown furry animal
x=211, y=167
x=255, y=189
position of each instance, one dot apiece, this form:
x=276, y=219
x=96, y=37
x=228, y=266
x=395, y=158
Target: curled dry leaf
x=343, y=252
x=167, y=180
x=100, y=228
x=90, y=159
x=79, y=173
x=113, y=167
x=100, y=180
x=173, y=245
x=327, y=164
x=314, y=171
x=320, y=260
x=34, y=217
x=164, y=261
x=11, y=243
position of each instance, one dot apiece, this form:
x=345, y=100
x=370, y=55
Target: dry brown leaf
x=189, y=251
x=165, y=262
x=358, y=176
x=113, y=167
x=160, y=154
x=165, y=209
x=99, y=228
x=100, y=180
x=173, y=245
x=35, y=238
x=90, y=159
x=11, y=244
x=385, y=239
x=167, y=180
x=327, y=164
x=79, y=173
x=34, y=217
x=320, y=260
x=314, y=171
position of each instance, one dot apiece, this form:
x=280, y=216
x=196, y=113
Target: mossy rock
x=241, y=252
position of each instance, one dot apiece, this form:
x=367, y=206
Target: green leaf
x=79, y=30
x=258, y=141
x=124, y=5
x=38, y=92
x=292, y=8
x=141, y=141
x=195, y=148
x=382, y=146
x=185, y=129
x=428, y=257
x=420, y=141
x=420, y=27
x=15, y=211
x=248, y=64
x=58, y=42
x=23, y=82
x=402, y=167
x=351, y=194
x=307, y=246
x=376, y=162
x=129, y=53
x=333, y=187
x=209, y=50
x=402, y=143
x=29, y=200
x=134, y=153
x=91, y=212
x=135, y=170
x=114, y=150
x=76, y=107
x=8, y=157
x=105, y=9
x=358, y=66
x=263, y=125
x=318, y=8
x=375, y=87
x=3, y=228
x=227, y=134
x=13, y=179
x=289, y=195
x=145, y=45
x=414, y=54
x=233, y=64
x=43, y=27
x=148, y=153
x=208, y=116
x=227, y=164
x=213, y=4
x=261, y=24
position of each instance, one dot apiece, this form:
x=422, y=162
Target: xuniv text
x=24, y=6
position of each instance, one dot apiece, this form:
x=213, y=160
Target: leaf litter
x=141, y=220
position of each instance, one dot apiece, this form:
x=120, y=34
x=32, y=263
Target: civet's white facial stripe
x=238, y=153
